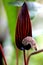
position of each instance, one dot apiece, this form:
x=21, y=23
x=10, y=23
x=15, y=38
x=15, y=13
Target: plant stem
x=25, y=61
x=39, y=51
x=1, y=49
x=16, y=56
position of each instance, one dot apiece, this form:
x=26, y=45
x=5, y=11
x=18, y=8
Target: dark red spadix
x=23, y=27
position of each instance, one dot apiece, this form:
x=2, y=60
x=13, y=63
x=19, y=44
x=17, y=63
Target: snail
x=29, y=41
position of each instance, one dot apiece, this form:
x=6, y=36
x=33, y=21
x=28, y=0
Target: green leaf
x=12, y=17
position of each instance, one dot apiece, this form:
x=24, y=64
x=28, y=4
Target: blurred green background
x=10, y=50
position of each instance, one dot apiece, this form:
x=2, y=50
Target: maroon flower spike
x=23, y=28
